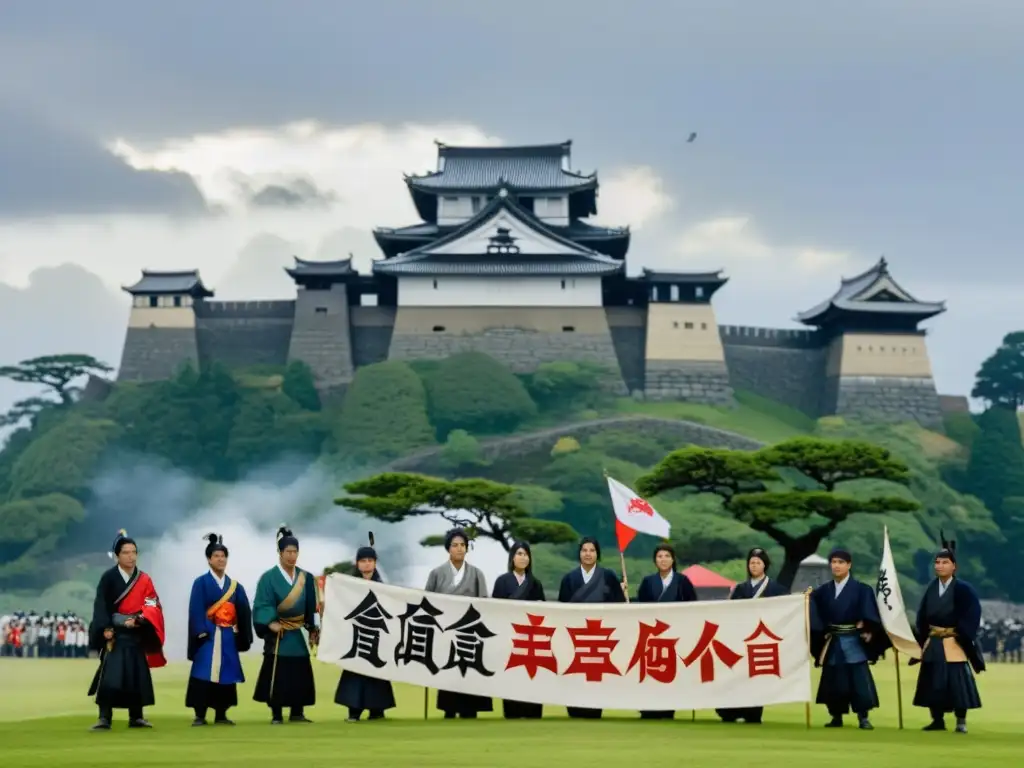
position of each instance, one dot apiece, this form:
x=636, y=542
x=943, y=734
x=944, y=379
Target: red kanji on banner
x=594, y=645
x=763, y=658
x=533, y=641
x=655, y=655
x=706, y=650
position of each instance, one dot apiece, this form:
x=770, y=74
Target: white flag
x=891, y=607
x=634, y=515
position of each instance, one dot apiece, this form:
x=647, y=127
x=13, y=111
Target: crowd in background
x=49, y=636
x=1001, y=640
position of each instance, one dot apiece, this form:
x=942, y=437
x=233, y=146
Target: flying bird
x=693, y=136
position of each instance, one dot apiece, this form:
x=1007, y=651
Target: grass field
x=45, y=715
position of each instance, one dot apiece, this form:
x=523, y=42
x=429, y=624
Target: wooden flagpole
x=426, y=702
x=899, y=686
x=625, y=581
x=807, y=634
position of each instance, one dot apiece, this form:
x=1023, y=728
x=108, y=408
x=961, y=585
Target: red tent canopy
x=700, y=577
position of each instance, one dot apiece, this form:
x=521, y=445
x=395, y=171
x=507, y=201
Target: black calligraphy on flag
x=467, y=650
x=419, y=630
x=883, y=588
x=369, y=619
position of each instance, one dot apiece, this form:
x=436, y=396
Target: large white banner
x=725, y=653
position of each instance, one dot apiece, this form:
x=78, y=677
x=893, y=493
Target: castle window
x=477, y=203
x=568, y=328
x=673, y=293
x=563, y=285
x=703, y=326
x=435, y=285
x=177, y=301
x=438, y=329
x=699, y=292
x=688, y=326
x=675, y=323
x=860, y=348
x=154, y=301
x=321, y=310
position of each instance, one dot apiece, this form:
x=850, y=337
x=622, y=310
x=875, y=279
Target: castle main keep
x=504, y=262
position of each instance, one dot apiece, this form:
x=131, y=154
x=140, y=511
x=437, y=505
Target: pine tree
x=995, y=473
x=995, y=470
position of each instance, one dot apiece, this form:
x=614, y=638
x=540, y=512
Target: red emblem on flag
x=638, y=506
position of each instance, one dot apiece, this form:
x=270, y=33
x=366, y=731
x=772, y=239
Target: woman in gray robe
x=457, y=577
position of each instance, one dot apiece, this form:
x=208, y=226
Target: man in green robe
x=284, y=605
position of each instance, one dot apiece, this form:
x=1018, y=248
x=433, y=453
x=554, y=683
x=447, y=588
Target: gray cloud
x=47, y=169
x=295, y=193
x=858, y=127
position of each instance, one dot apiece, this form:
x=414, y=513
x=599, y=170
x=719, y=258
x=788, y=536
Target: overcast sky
x=231, y=136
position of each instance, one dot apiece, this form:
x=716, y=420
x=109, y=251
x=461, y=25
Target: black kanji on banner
x=369, y=619
x=467, y=651
x=419, y=628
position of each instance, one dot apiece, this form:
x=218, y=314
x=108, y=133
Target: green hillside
x=552, y=434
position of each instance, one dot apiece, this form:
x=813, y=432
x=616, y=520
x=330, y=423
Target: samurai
x=846, y=636
x=219, y=629
x=665, y=586
x=757, y=585
x=457, y=577
x=947, y=628
x=359, y=692
x=590, y=583
x=284, y=605
x=519, y=584
x=128, y=631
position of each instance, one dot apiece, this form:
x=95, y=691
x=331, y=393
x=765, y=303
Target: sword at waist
x=942, y=632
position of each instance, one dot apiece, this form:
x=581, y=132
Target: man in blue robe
x=219, y=629
x=846, y=636
x=947, y=628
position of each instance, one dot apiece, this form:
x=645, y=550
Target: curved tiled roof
x=873, y=291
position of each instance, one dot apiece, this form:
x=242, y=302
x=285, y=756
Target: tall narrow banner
x=728, y=653
x=890, y=604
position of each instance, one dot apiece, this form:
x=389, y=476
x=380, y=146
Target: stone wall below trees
x=685, y=432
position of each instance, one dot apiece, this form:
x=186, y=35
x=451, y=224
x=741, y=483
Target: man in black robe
x=846, y=636
x=590, y=583
x=757, y=585
x=127, y=630
x=947, y=628
x=665, y=586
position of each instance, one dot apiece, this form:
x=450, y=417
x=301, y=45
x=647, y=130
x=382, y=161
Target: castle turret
x=683, y=358
x=162, y=325
x=877, y=365
x=321, y=333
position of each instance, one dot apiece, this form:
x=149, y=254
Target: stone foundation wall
x=523, y=340
x=889, y=399
x=151, y=354
x=628, y=327
x=372, y=329
x=787, y=366
x=239, y=334
x=699, y=382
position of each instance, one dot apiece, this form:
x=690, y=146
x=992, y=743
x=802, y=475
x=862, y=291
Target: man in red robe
x=128, y=631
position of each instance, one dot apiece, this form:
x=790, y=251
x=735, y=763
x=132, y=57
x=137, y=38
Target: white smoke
x=174, y=512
